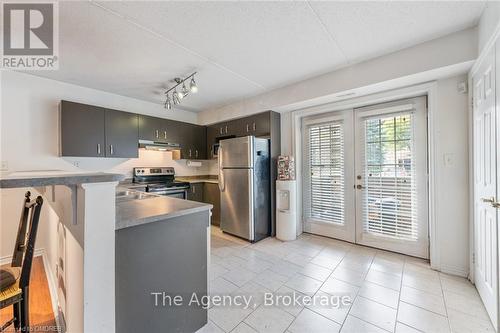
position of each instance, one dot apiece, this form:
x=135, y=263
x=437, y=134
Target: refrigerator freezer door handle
x=221, y=174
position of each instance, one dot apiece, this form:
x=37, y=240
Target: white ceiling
x=240, y=49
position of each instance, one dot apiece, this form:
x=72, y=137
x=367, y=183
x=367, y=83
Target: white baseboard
x=8, y=259
x=453, y=270
x=52, y=282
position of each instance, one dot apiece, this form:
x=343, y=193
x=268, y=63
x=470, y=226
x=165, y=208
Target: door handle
x=495, y=204
x=111, y=150
x=360, y=187
x=98, y=149
x=488, y=200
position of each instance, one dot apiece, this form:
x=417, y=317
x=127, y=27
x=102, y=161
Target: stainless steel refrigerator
x=244, y=182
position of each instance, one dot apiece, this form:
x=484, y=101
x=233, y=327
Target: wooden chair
x=17, y=293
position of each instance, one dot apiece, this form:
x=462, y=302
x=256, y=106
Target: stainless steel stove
x=161, y=181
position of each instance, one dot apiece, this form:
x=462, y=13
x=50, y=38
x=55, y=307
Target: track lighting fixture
x=174, y=96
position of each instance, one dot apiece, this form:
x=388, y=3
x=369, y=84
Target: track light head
x=192, y=86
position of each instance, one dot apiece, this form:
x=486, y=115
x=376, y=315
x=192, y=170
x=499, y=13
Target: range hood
x=161, y=146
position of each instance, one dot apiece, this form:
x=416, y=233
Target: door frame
x=430, y=90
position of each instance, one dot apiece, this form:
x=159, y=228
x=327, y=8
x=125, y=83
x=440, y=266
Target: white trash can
x=286, y=210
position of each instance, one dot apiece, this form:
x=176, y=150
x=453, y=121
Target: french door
x=365, y=176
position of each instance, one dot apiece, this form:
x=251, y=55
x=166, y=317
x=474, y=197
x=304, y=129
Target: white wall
x=452, y=187
x=488, y=23
x=29, y=126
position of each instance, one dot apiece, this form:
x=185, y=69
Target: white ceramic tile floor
x=388, y=292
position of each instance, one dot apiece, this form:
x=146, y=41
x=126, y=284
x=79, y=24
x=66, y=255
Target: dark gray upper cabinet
x=153, y=129
x=92, y=131
x=258, y=125
x=211, y=140
x=121, y=131
x=193, y=141
x=82, y=130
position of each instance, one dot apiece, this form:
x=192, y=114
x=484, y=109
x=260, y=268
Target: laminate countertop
x=131, y=213
x=41, y=178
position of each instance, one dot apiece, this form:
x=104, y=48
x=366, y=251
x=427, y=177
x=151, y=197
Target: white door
x=381, y=149
x=328, y=194
x=391, y=177
x=485, y=186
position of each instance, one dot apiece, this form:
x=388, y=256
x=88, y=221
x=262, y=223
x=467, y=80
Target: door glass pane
x=326, y=164
x=389, y=196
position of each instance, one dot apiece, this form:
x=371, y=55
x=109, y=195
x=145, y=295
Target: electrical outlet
x=76, y=163
x=4, y=166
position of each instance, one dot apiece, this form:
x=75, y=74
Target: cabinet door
x=151, y=128
x=186, y=140
x=260, y=124
x=122, y=134
x=246, y=126
x=211, y=195
x=211, y=140
x=172, y=131
x=196, y=192
x=200, y=146
x=82, y=130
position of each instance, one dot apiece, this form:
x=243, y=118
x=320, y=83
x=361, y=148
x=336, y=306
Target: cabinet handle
x=220, y=130
x=194, y=189
x=226, y=129
x=157, y=134
x=196, y=153
x=98, y=149
x=248, y=128
x=254, y=127
x=165, y=134
x=111, y=151
x=189, y=152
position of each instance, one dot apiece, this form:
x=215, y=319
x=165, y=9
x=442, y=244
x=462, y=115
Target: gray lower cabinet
x=195, y=192
x=82, y=130
x=211, y=195
x=154, y=261
x=121, y=131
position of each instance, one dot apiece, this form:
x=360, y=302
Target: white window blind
x=390, y=192
x=326, y=164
